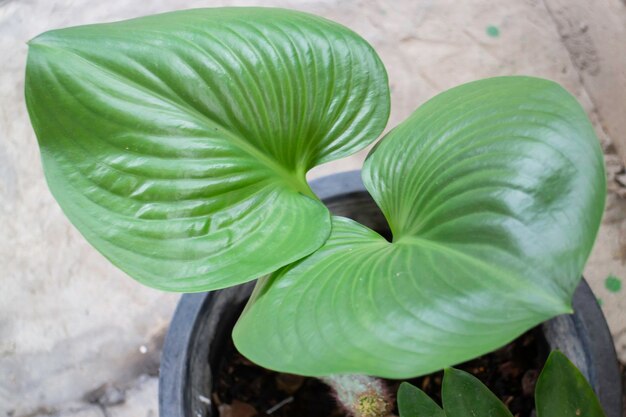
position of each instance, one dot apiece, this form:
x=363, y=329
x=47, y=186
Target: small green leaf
x=463, y=395
x=178, y=143
x=562, y=391
x=494, y=192
x=413, y=402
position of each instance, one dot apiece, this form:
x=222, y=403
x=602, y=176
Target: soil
x=244, y=389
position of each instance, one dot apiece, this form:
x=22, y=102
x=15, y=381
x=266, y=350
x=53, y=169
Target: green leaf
x=463, y=395
x=494, y=191
x=413, y=402
x=178, y=143
x=562, y=391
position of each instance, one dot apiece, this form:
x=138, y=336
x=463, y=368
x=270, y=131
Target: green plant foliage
x=494, y=192
x=561, y=391
x=413, y=402
x=178, y=143
x=463, y=395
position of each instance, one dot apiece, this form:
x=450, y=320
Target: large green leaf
x=178, y=143
x=562, y=391
x=494, y=192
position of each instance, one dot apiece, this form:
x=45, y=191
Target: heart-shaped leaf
x=562, y=391
x=494, y=192
x=178, y=143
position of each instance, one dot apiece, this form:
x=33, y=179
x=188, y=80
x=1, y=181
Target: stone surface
x=141, y=400
x=106, y=395
x=83, y=412
x=76, y=411
x=70, y=322
x=598, y=55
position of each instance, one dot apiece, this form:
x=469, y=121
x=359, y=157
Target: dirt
x=244, y=389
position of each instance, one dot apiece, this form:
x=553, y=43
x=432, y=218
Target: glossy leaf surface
x=413, y=402
x=562, y=391
x=494, y=192
x=178, y=143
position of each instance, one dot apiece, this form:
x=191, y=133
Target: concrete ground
x=80, y=339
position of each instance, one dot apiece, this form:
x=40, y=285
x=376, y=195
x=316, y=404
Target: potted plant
x=178, y=145
x=197, y=348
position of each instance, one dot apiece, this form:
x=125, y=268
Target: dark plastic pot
x=203, y=323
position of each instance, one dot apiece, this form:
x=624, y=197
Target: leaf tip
x=451, y=373
x=405, y=389
x=556, y=356
x=566, y=306
x=43, y=39
x=36, y=41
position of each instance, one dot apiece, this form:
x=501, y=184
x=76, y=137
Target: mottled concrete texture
x=73, y=329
